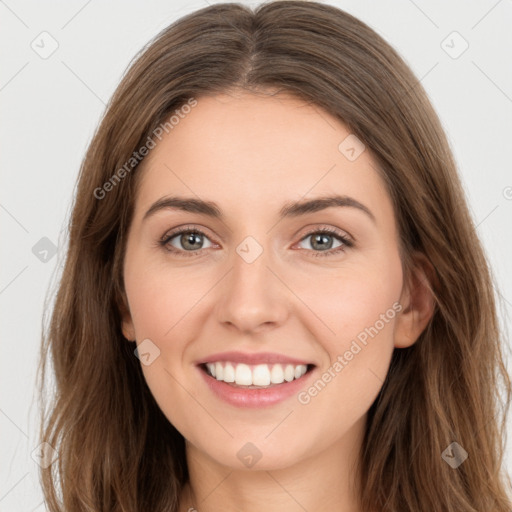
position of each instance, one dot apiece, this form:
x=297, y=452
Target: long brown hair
x=116, y=449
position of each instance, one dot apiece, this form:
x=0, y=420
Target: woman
x=274, y=295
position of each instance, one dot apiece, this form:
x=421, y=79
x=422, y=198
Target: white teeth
x=243, y=375
x=277, y=374
x=219, y=371
x=289, y=373
x=257, y=375
x=229, y=373
x=261, y=375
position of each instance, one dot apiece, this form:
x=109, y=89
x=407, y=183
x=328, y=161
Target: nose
x=253, y=297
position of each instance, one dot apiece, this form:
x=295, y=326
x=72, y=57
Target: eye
x=189, y=241
x=322, y=239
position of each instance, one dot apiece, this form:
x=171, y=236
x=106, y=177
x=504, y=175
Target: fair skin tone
x=250, y=155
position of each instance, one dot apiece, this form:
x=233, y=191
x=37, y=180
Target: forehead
x=249, y=149
x=255, y=129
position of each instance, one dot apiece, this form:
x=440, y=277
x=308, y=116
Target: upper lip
x=252, y=359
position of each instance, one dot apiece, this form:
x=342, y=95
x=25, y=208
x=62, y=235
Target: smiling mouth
x=259, y=376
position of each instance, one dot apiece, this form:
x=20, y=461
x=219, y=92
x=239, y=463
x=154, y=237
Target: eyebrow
x=291, y=209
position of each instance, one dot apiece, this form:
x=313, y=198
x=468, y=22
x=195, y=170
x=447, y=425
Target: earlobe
x=127, y=329
x=127, y=326
x=418, y=302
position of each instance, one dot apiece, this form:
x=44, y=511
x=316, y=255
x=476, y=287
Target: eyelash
x=192, y=230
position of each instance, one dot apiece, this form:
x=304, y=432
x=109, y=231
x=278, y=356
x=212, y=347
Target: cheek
x=162, y=308
x=161, y=298
x=166, y=305
x=349, y=302
x=357, y=309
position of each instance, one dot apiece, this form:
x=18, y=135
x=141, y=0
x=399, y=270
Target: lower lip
x=240, y=397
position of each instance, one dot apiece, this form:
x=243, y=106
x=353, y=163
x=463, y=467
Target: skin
x=251, y=154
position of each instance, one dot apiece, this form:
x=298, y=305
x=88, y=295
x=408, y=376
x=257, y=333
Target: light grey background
x=51, y=106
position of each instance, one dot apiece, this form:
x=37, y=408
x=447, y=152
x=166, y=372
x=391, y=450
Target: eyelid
x=164, y=241
x=171, y=233
x=346, y=241
x=329, y=229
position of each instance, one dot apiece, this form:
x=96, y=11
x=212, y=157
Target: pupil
x=322, y=239
x=190, y=239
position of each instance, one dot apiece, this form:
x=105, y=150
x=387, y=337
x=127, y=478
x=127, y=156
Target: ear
x=127, y=326
x=417, y=301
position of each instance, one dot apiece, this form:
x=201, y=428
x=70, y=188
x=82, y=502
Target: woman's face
x=263, y=280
